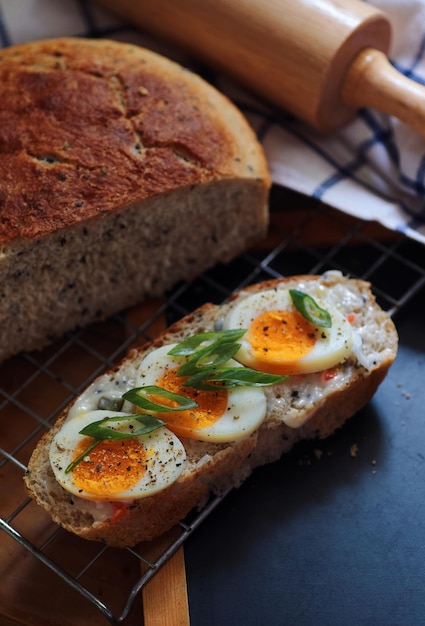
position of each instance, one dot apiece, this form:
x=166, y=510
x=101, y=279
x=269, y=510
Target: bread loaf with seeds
x=122, y=173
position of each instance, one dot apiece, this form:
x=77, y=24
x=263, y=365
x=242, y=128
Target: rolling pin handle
x=374, y=83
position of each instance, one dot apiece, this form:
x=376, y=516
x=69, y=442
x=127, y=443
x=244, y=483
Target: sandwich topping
x=209, y=387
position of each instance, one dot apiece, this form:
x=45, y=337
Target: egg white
x=246, y=407
x=332, y=345
x=166, y=458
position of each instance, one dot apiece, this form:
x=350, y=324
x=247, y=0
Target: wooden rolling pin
x=319, y=59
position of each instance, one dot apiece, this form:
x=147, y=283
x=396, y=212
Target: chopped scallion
x=308, y=307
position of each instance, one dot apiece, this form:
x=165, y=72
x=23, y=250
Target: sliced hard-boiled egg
x=221, y=416
x=280, y=340
x=117, y=469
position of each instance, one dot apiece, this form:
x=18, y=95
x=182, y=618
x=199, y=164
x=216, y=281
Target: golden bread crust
x=90, y=126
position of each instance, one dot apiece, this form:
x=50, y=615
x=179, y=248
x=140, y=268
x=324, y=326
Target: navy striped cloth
x=373, y=168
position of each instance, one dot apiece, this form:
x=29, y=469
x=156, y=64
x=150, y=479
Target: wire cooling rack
x=41, y=563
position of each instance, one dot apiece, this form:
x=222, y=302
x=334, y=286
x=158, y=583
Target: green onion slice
x=102, y=430
x=212, y=356
x=140, y=397
x=309, y=309
x=207, y=350
x=190, y=345
x=227, y=378
x=93, y=443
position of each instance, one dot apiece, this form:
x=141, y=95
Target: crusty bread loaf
x=304, y=406
x=122, y=173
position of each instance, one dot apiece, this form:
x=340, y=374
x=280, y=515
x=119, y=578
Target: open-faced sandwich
x=226, y=389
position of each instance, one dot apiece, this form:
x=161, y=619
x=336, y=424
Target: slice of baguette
x=302, y=407
x=122, y=173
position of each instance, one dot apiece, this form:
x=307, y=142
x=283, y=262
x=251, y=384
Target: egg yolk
x=111, y=467
x=279, y=339
x=211, y=405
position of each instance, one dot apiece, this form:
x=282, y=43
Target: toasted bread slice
x=304, y=406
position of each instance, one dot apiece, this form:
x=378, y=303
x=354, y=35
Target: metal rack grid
x=35, y=387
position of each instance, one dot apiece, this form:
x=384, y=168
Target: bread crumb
x=354, y=450
x=305, y=460
x=143, y=91
x=404, y=393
